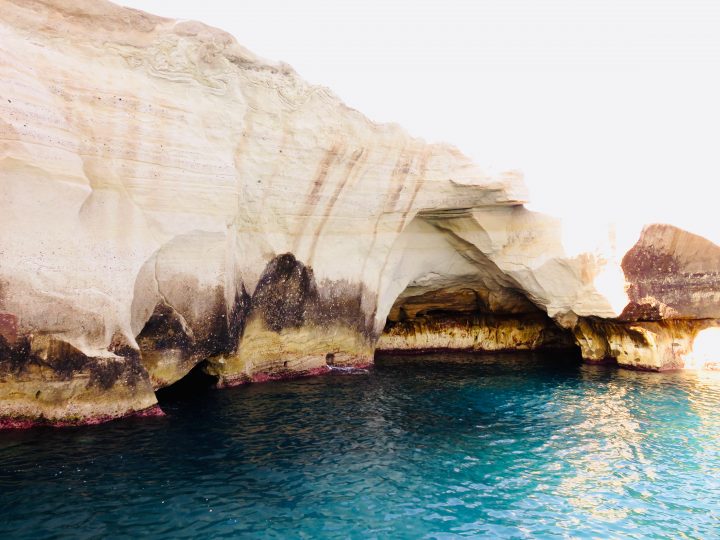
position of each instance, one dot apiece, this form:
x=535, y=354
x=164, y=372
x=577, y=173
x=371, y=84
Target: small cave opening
x=195, y=383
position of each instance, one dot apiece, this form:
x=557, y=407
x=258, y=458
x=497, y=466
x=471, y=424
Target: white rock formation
x=167, y=197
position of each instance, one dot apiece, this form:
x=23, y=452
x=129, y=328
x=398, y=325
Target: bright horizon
x=610, y=108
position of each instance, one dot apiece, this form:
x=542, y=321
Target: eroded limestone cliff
x=169, y=199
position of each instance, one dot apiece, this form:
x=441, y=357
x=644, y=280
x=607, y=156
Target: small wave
x=348, y=370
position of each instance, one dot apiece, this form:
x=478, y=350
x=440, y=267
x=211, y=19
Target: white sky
x=610, y=107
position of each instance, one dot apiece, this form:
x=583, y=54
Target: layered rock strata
x=169, y=199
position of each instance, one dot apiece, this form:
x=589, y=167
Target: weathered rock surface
x=474, y=333
x=672, y=274
x=168, y=198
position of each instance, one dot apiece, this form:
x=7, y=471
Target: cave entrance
x=470, y=318
x=456, y=286
x=197, y=382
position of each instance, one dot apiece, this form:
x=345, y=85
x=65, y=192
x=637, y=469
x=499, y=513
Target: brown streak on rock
x=320, y=176
x=311, y=200
x=420, y=180
x=9, y=327
x=349, y=168
x=397, y=180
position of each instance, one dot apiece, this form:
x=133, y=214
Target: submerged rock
x=171, y=200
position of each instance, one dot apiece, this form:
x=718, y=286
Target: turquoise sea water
x=450, y=446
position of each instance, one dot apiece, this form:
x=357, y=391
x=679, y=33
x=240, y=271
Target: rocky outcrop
x=46, y=381
x=171, y=200
x=652, y=346
x=672, y=274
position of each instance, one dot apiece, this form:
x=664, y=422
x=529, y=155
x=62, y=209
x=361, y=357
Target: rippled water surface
x=503, y=446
